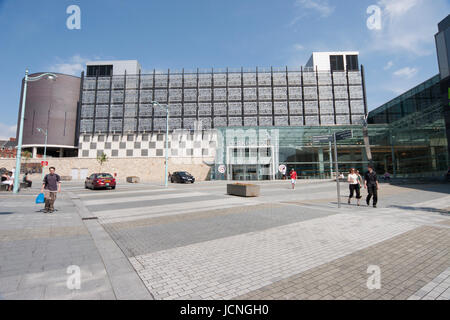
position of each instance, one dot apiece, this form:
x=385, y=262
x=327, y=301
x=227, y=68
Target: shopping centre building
x=245, y=122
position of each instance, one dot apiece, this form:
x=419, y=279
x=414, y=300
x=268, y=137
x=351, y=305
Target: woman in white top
x=354, y=185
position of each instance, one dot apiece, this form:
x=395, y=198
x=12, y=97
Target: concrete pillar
x=433, y=158
x=61, y=152
x=321, y=164
x=34, y=152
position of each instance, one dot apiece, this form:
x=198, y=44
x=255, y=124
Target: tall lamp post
x=45, y=147
x=50, y=76
x=154, y=103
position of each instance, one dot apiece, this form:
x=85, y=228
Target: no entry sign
x=44, y=163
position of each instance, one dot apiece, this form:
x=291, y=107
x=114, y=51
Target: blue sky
x=188, y=34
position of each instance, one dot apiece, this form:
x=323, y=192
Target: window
x=116, y=138
x=101, y=71
x=352, y=63
x=101, y=138
x=337, y=63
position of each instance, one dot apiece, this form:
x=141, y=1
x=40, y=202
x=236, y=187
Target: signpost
x=282, y=168
x=221, y=169
x=337, y=136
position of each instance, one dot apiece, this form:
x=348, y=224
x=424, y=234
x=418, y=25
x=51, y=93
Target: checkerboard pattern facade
x=182, y=143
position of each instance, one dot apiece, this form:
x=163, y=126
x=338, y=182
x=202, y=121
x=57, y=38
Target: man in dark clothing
x=371, y=184
x=52, y=185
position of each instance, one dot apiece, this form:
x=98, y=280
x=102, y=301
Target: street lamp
x=45, y=147
x=154, y=103
x=49, y=76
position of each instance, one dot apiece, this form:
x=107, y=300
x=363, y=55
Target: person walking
x=51, y=185
x=354, y=185
x=371, y=184
x=293, y=176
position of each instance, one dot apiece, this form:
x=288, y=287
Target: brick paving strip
x=229, y=267
x=407, y=263
x=438, y=289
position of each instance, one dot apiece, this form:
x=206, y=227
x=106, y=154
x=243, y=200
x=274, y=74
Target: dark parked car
x=182, y=177
x=100, y=180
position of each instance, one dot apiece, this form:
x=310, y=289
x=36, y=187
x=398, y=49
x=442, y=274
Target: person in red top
x=293, y=178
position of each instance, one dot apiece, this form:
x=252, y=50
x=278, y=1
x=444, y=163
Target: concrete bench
x=133, y=179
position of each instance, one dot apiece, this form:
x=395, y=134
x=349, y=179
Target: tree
x=101, y=159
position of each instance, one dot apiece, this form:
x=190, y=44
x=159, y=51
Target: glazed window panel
x=279, y=78
x=265, y=108
x=264, y=93
x=249, y=79
x=250, y=108
x=146, y=81
x=101, y=111
x=89, y=83
x=115, y=125
x=204, y=109
x=204, y=80
x=161, y=80
x=296, y=107
x=220, y=79
x=264, y=78
x=132, y=82
x=280, y=107
x=175, y=81
x=190, y=109
x=204, y=94
x=220, y=94
x=130, y=110
x=104, y=83
x=249, y=93
x=118, y=82
x=88, y=97
x=234, y=79
x=175, y=94
x=220, y=109
x=131, y=96
x=145, y=110
x=234, y=94
x=117, y=111
x=280, y=93
x=117, y=96
x=295, y=78
x=235, y=108
x=161, y=95
x=310, y=93
x=190, y=94
x=87, y=111
x=295, y=93
x=146, y=96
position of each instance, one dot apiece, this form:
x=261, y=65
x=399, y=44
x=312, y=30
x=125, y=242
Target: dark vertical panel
x=273, y=101
x=198, y=87
x=78, y=120
x=303, y=97
x=257, y=97
x=153, y=99
x=363, y=80
x=348, y=93
x=318, y=95
x=109, y=105
x=334, y=99
x=212, y=97
x=182, y=100
x=124, y=96
x=32, y=123
x=138, y=101
x=95, y=104
x=287, y=97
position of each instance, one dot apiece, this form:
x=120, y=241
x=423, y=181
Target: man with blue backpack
x=51, y=186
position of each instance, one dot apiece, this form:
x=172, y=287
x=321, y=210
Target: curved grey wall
x=51, y=104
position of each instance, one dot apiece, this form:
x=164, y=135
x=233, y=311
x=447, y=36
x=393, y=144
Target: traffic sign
x=343, y=135
x=44, y=163
x=221, y=168
x=322, y=139
x=282, y=168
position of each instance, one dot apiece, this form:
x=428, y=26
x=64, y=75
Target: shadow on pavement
x=1, y=213
x=440, y=211
x=441, y=188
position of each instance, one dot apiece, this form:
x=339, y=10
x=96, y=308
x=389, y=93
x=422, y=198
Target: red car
x=100, y=180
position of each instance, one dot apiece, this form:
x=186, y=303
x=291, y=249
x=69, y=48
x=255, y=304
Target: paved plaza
x=195, y=242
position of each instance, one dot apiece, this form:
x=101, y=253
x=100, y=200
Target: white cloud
x=73, y=66
x=389, y=65
x=407, y=72
x=298, y=47
x=7, y=131
x=321, y=6
x=408, y=26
